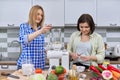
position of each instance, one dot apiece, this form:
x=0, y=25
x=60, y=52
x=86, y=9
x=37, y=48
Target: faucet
x=1, y=48
x=15, y=43
x=0, y=57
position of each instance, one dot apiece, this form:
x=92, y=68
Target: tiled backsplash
x=8, y=49
x=110, y=35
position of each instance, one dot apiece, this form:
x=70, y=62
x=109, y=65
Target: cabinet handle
x=10, y=24
x=113, y=24
x=95, y=24
x=4, y=66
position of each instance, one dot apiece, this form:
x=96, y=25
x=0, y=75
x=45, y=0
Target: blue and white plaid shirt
x=34, y=49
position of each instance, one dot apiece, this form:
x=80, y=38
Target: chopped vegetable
x=115, y=74
x=107, y=75
x=99, y=69
x=102, y=67
x=93, y=68
x=110, y=67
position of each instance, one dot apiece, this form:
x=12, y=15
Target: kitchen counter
x=114, y=62
x=15, y=62
x=4, y=77
x=18, y=73
x=8, y=62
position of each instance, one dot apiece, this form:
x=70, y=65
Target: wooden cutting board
x=19, y=73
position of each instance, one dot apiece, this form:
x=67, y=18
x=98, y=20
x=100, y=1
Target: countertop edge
x=8, y=62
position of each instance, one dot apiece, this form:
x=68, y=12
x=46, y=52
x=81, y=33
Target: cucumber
x=94, y=74
x=99, y=69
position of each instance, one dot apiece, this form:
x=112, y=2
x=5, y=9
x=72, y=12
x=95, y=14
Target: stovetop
x=112, y=58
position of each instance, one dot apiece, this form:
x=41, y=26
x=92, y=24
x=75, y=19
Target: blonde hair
x=33, y=13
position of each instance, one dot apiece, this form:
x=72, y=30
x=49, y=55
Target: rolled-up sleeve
x=25, y=38
x=23, y=35
x=100, y=51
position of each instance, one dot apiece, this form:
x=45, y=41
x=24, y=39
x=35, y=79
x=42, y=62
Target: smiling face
x=36, y=16
x=86, y=24
x=39, y=16
x=84, y=28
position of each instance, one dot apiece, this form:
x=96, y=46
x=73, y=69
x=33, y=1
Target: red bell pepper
x=110, y=67
x=93, y=68
x=102, y=67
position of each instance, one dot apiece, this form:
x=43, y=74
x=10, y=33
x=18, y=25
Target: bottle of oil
x=73, y=74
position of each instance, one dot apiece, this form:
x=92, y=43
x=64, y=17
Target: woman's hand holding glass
x=46, y=28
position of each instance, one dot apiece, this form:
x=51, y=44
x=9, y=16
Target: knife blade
x=10, y=75
x=13, y=76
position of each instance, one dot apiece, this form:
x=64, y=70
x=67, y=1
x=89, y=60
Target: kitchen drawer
x=8, y=67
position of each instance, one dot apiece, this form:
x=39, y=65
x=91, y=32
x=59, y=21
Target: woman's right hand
x=74, y=56
x=46, y=28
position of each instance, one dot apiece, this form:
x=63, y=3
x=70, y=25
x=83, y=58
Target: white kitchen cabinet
x=75, y=8
x=14, y=12
x=108, y=13
x=54, y=11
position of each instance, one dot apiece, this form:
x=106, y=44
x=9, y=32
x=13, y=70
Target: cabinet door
x=14, y=12
x=54, y=11
x=108, y=13
x=8, y=67
x=75, y=8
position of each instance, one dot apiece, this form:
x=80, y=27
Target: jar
x=56, y=39
x=73, y=74
x=27, y=66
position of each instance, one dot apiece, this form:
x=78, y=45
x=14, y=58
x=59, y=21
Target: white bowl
x=80, y=68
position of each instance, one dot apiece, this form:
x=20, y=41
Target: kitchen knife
x=10, y=75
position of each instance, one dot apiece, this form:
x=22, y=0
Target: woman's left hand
x=46, y=28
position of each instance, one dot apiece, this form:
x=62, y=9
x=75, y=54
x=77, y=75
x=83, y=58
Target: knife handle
x=5, y=74
x=9, y=75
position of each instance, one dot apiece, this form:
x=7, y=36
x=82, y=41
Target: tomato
x=53, y=71
x=64, y=70
x=61, y=77
x=38, y=70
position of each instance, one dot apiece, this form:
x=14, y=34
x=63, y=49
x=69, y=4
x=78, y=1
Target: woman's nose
x=83, y=29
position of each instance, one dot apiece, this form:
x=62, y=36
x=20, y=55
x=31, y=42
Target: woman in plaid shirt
x=31, y=37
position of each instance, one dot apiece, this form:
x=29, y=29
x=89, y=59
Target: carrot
x=115, y=74
x=114, y=78
x=52, y=71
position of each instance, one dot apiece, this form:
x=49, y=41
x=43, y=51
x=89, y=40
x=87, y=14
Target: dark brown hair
x=88, y=19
